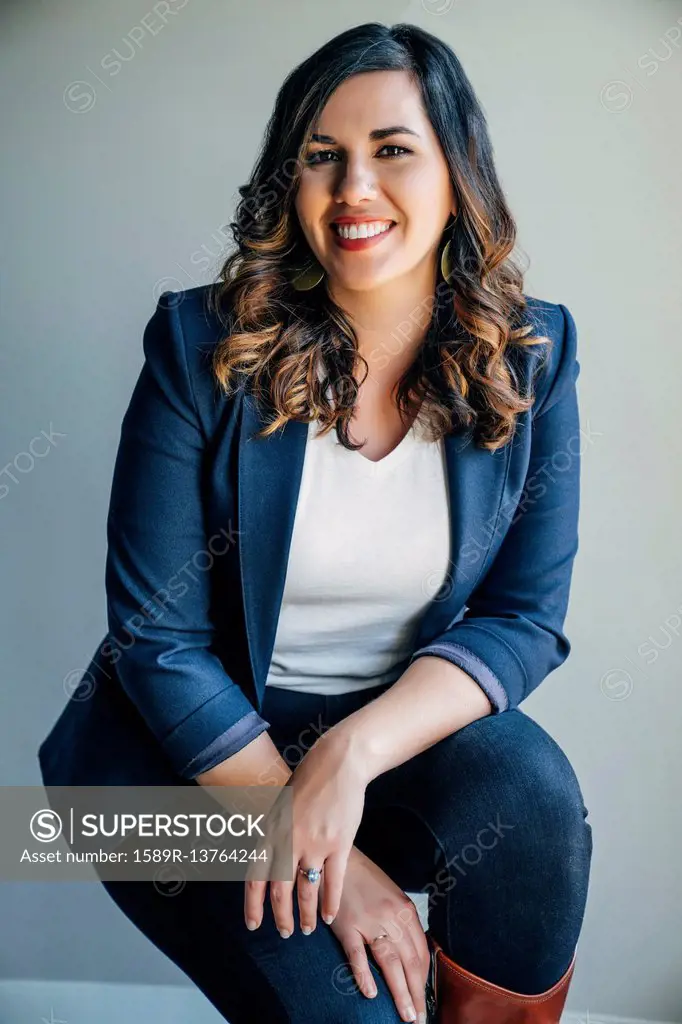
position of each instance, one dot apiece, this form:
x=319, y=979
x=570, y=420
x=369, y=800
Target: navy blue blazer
x=199, y=526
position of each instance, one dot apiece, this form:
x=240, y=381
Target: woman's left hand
x=327, y=804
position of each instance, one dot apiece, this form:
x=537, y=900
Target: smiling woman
x=386, y=166
x=374, y=357
x=378, y=138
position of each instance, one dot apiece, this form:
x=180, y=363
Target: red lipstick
x=357, y=244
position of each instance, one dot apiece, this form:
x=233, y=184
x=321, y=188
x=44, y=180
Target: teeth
x=365, y=230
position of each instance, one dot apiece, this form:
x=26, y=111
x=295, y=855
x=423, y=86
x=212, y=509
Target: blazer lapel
x=269, y=479
x=475, y=480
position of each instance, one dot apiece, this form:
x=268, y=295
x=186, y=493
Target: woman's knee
x=511, y=756
x=503, y=782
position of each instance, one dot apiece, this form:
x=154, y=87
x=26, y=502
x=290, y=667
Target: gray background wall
x=116, y=189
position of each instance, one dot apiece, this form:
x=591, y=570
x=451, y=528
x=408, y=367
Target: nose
x=355, y=184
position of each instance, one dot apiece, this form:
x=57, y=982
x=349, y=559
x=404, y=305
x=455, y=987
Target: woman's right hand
x=372, y=904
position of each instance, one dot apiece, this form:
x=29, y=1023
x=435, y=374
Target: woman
x=370, y=435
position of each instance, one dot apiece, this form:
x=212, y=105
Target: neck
x=390, y=321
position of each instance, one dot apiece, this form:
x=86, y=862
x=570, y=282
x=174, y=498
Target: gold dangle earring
x=303, y=279
x=446, y=262
x=445, y=258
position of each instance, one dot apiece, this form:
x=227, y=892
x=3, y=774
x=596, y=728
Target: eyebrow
x=374, y=135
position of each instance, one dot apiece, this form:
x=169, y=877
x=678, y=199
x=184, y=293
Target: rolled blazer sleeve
x=512, y=633
x=160, y=632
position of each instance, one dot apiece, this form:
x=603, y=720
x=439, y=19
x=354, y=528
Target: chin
x=356, y=284
x=359, y=281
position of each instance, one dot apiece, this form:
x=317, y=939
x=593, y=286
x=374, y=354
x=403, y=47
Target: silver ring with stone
x=312, y=874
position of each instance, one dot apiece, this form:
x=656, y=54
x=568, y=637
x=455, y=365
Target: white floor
x=62, y=1002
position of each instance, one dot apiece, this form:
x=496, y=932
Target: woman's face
x=375, y=160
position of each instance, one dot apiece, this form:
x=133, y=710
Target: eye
x=317, y=157
x=321, y=155
x=401, y=149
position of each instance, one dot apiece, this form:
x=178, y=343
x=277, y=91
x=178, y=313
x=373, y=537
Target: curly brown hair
x=298, y=350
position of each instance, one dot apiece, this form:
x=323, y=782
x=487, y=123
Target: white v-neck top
x=369, y=550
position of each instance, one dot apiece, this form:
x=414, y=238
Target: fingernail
x=410, y=1012
x=306, y=929
x=371, y=990
x=421, y=1018
x=284, y=933
x=251, y=924
x=327, y=918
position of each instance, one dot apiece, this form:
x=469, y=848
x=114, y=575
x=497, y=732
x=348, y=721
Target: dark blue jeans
x=489, y=822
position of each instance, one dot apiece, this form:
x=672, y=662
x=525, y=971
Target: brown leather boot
x=462, y=998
